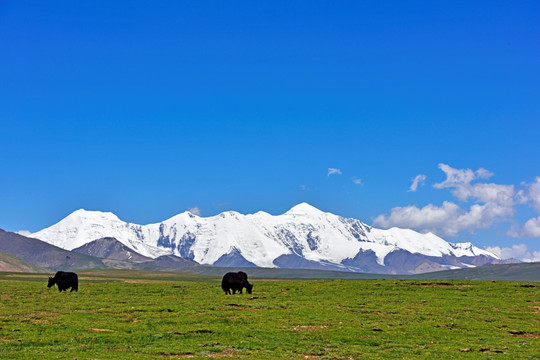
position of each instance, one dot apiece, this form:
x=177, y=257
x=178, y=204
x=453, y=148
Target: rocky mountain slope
x=10, y=263
x=44, y=255
x=110, y=248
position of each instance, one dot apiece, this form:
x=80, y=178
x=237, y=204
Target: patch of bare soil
x=241, y=307
x=438, y=284
x=118, y=349
x=27, y=276
x=524, y=334
x=313, y=357
x=199, y=331
x=5, y=338
x=104, y=312
x=491, y=351
x=308, y=328
x=226, y=353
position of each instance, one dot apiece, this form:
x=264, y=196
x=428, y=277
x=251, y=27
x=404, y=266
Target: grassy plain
x=150, y=315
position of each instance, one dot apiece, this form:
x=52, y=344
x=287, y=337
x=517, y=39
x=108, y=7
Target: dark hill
x=45, y=255
x=510, y=272
x=10, y=263
x=168, y=262
x=110, y=248
x=233, y=259
x=501, y=272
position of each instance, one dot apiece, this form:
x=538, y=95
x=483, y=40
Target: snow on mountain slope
x=205, y=240
x=303, y=231
x=82, y=227
x=468, y=249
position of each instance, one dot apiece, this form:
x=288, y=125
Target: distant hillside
x=510, y=272
x=168, y=262
x=278, y=273
x=503, y=272
x=46, y=255
x=111, y=249
x=10, y=263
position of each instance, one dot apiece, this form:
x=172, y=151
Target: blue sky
x=148, y=109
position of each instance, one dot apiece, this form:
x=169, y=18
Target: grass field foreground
x=143, y=315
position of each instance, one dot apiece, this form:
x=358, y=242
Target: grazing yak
x=236, y=282
x=64, y=280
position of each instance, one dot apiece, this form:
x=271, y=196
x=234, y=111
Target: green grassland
x=150, y=315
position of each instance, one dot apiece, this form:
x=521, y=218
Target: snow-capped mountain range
x=303, y=237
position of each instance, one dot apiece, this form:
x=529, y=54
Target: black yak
x=236, y=282
x=64, y=280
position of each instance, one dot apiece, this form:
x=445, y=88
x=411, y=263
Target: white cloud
x=530, y=195
x=520, y=252
x=446, y=220
x=531, y=228
x=486, y=192
x=304, y=187
x=488, y=203
x=521, y=197
x=332, y=171
x=533, y=194
x=493, y=203
x=456, y=177
x=459, y=180
x=483, y=216
x=428, y=218
x=417, y=181
x=483, y=173
x=195, y=211
x=357, y=181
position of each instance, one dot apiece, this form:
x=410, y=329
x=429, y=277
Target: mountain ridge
x=11, y=263
x=302, y=236
x=45, y=255
x=110, y=248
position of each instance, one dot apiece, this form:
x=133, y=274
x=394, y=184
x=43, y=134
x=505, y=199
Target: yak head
x=249, y=287
x=51, y=282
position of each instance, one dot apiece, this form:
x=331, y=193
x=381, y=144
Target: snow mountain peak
x=304, y=209
x=91, y=215
x=304, y=236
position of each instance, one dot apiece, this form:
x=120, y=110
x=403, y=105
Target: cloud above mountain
x=333, y=171
x=481, y=205
x=531, y=229
x=531, y=194
x=417, y=181
x=195, y=210
x=520, y=251
x=357, y=181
